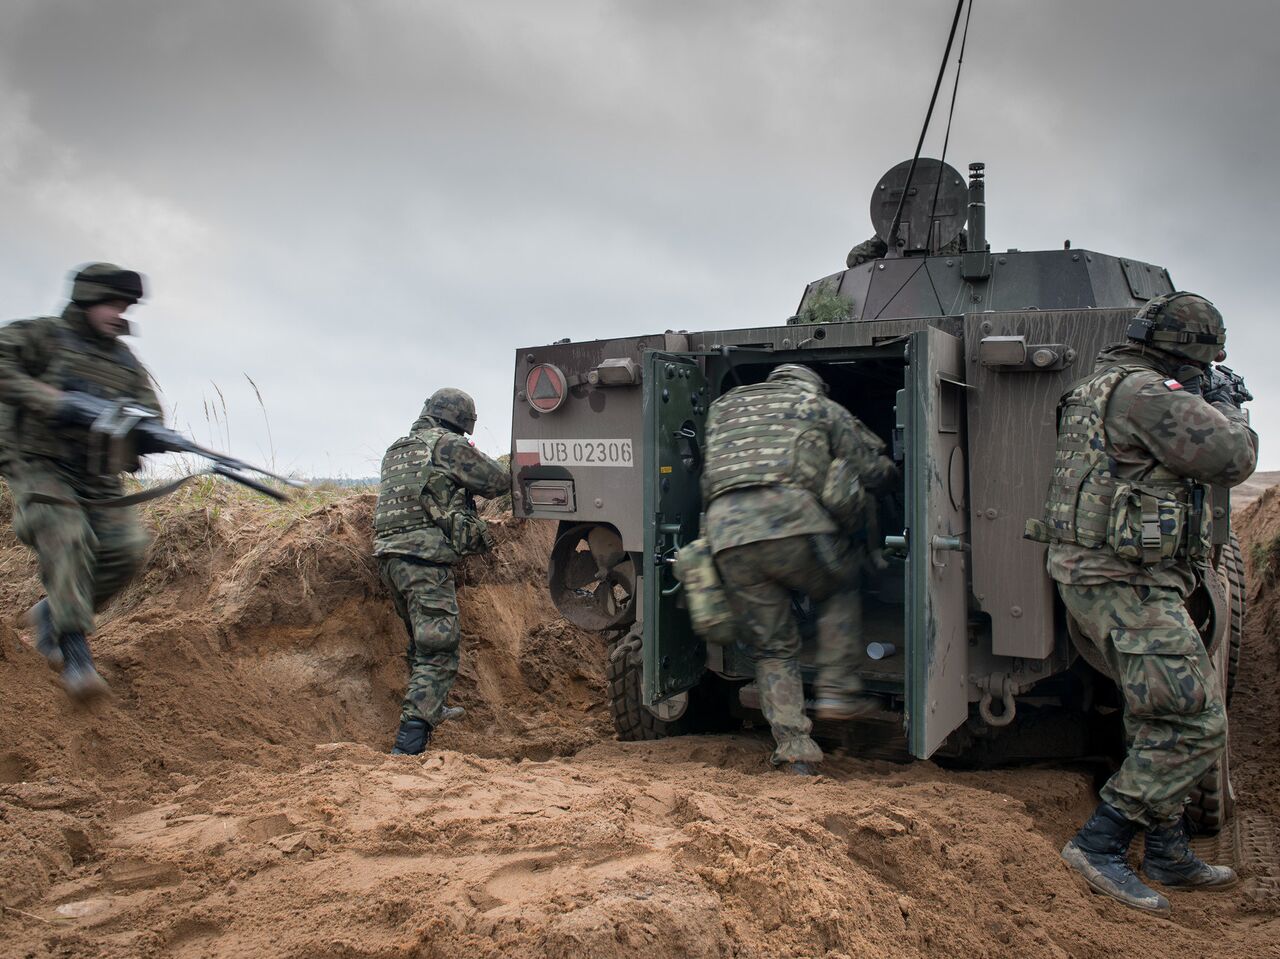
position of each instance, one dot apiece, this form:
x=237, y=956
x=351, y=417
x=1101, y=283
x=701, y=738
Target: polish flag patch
x=1172, y=385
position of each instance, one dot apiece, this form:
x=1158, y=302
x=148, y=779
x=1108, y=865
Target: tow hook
x=1002, y=685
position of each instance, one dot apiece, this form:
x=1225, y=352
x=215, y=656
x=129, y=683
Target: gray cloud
x=356, y=202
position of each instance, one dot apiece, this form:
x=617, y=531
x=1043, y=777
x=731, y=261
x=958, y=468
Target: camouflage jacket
x=62, y=352
x=1154, y=427
x=460, y=464
x=756, y=513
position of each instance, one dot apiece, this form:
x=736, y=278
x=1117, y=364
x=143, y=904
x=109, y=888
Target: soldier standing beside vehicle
x=87, y=553
x=424, y=523
x=786, y=486
x=1139, y=441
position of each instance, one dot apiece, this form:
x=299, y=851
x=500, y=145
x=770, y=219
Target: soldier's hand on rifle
x=1225, y=385
x=78, y=409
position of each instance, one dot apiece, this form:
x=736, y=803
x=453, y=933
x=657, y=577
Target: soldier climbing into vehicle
x=787, y=484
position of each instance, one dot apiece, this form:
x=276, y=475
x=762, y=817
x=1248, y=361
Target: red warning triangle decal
x=544, y=387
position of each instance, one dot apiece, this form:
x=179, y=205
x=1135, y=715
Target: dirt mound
x=1255, y=709
x=235, y=798
x=256, y=632
x=678, y=848
x=1257, y=484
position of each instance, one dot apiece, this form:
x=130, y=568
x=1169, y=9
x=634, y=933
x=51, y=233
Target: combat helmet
x=799, y=373
x=102, y=282
x=1183, y=324
x=453, y=408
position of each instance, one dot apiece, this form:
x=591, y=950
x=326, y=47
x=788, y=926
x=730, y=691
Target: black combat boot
x=412, y=737
x=1099, y=852
x=41, y=621
x=1168, y=860
x=79, y=676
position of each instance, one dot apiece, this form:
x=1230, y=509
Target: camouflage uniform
x=86, y=554
x=1132, y=442
x=424, y=523
x=769, y=453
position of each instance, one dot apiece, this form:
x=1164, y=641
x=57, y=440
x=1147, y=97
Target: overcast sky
x=354, y=202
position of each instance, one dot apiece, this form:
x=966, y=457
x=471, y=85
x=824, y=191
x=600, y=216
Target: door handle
x=692, y=456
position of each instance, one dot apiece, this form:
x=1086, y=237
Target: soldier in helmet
x=424, y=523
x=1139, y=440
x=87, y=552
x=787, y=484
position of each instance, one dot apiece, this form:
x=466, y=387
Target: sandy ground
x=234, y=797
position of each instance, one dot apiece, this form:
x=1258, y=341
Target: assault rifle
x=120, y=432
x=1224, y=383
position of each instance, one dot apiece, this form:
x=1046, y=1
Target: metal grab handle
x=663, y=559
x=692, y=453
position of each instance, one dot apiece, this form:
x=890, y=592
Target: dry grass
x=211, y=526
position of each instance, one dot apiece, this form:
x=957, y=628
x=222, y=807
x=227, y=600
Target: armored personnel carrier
x=955, y=355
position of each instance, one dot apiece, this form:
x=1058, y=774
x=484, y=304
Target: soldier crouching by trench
x=1139, y=441
x=87, y=553
x=424, y=523
x=787, y=486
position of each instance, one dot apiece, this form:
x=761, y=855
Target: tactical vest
x=417, y=498
x=766, y=434
x=1160, y=519
x=105, y=368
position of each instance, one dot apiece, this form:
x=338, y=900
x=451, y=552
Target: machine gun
x=121, y=432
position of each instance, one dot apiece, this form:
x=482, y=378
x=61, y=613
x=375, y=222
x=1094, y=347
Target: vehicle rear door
x=931, y=416
x=675, y=416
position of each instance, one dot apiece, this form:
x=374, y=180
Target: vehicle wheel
x=1233, y=567
x=631, y=718
x=701, y=709
x=1212, y=801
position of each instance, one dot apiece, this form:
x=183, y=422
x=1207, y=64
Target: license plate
x=574, y=453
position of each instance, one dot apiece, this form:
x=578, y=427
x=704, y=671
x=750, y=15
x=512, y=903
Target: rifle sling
x=131, y=499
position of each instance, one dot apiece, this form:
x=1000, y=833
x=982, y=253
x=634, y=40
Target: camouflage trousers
x=86, y=555
x=427, y=602
x=759, y=578
x=1174, y=716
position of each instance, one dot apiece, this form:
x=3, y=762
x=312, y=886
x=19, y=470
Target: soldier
x=424, y=523
x=87, y=552
x=786, y=486
x=1128, y=525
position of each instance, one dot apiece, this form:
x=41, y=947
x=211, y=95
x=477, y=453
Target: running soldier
x=87, y=552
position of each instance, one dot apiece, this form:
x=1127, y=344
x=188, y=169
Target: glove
x=78, y=409
x=1225, y=386
x=1235, y=382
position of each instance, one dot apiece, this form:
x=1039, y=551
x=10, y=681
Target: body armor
x=421, y=504
x=105, y=368
x=767, y=434
x=1160, y=519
